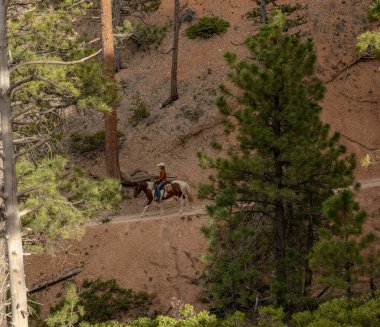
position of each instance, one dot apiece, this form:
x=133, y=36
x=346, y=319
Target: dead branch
x=22, y=153
x=54, y=280
x=323, y=291
x=52, y=62
x=357, y=100
x=25, y=140
x=193, y=134
x=237, y=44
x=166, y=52
x=361, y=144
x=29, y=189
x=347, y=68
x=30, y=210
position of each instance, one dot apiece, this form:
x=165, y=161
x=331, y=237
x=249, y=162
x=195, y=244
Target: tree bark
x=372, y=285
x=279, y=215
x=3, y=272
x=13, y=221
x=174, y=72
x=263, y=11
x=112, y=154
x=116, y=14
x=173, y=87
x=309, y=246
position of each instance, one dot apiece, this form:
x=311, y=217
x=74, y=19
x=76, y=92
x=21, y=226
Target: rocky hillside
x=175, y=134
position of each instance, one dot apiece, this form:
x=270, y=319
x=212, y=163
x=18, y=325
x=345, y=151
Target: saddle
x=168, y=187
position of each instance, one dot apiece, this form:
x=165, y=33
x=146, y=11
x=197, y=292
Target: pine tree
x=339, y=253
x=259, y=15
x=269, y=189
x=41, y=92
x=31, y=98
x=368, y=44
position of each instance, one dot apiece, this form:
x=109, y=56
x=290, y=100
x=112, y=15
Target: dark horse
x=179, y=189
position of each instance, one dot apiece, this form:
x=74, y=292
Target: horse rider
x=162, y=180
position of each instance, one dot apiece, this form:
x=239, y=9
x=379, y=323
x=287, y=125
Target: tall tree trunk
x=112, y=154
x=116, y=14
x=173, y=87
x=174, y=72
x=372, y=285
x=263, y=11
x=309, y=246
x=279, y=215
x=3, y=255
x=13, y=221
x=3, y=270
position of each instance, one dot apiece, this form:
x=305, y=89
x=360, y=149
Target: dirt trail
x=369, y=183
x=172, y=213
x=154, y=215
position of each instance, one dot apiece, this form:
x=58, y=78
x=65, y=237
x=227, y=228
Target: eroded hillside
x=175, y=134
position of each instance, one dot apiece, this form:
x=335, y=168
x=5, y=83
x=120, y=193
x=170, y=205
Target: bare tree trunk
x=4, y=283
x=263, y=11
x=13, y=221
x=112, y=154
x=116, y=14
x=3, y=268
x=173, y=88
x=173, y=84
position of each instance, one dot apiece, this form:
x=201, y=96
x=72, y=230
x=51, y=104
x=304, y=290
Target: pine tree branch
x=22, y=153
x=30, y=210
x=25, y=140
x=52, y=62
x=15, y=87
x=27, y=190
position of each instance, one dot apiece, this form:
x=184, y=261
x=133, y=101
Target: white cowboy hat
x=161, y=164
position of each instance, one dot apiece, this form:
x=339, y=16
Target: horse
x=179, y=189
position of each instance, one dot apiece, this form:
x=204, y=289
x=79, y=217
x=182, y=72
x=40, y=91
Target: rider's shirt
x=163, y=176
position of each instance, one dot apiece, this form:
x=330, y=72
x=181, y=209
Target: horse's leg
x=161, y=209
x=182, y=201
x=188, y=204
x=145, y=208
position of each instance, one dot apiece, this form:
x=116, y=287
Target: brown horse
x=179, y=189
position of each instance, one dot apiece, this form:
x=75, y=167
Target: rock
x=188, y=15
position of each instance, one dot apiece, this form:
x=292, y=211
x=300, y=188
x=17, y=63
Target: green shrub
x=191, y=114
x=99, y=302
x=145, y=37
x=105, y=300
x=67, y=312
x=91, y=142
x=188, y=318
x=341, y=312
x=140, y=110
x=207, y=27
x=271, y=317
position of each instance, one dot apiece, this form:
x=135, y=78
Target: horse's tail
x=188, y=193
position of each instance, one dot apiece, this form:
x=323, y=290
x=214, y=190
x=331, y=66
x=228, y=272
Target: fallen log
x=39, y=286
